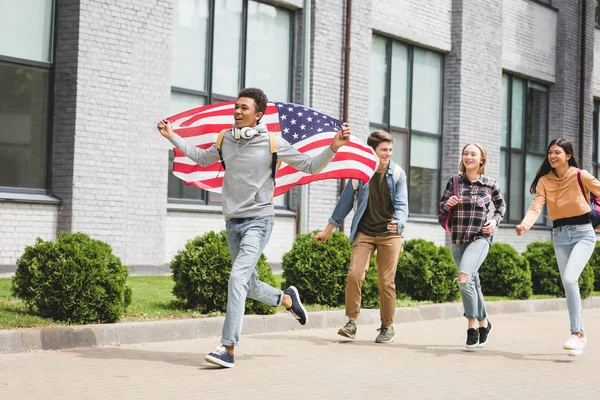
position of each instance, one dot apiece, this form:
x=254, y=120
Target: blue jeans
x=573, y=246
x=246, y=238
x=468, y=258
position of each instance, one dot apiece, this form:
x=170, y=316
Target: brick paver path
x=524, y=360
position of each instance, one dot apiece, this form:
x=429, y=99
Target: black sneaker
x=472, y=338
x=297, y=310
x=221, y=357
x=484, y=333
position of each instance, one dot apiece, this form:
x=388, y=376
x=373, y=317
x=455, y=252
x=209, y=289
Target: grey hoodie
x=247, y=182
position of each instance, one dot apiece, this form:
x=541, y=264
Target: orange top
x=562, y=195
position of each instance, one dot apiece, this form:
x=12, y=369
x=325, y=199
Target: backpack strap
x=218, y=143
x=455, y=184
x=581, y=184
x=273, y=144
x=355, y=187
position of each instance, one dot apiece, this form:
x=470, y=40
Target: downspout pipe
x=582, y=81
x=306, y=76
x=347, y=42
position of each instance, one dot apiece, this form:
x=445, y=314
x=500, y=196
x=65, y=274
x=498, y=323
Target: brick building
x=83, y=83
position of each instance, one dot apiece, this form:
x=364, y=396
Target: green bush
x=426, y=272
x=201, y=273
x=75, y=279
x=505, y=273
x=545, y=275
x=319, y=271
x=595, y=264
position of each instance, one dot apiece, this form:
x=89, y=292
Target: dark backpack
x=594, y=203
x=445, y=218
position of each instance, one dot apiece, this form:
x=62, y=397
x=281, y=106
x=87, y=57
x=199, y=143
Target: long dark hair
x=567, y=146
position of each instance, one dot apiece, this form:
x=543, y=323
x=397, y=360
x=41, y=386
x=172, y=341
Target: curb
x=62, y=338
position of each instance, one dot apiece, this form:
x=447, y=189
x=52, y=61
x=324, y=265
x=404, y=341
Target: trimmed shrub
x=319, y=271
x=595, y=264
x=505, y=273
x=545, y=275
x=201, y=274
x=75, y=279
x=426, y=272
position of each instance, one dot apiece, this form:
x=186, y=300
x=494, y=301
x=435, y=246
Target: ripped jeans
x=468, y=258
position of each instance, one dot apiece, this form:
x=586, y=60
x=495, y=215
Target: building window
x=524, y=141
x=405, y=99
x=596, y=139
x=25, y=76
x=220, y=47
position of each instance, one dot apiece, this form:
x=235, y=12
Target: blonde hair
x=483, y=153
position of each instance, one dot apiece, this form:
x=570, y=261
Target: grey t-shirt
x=247, y=182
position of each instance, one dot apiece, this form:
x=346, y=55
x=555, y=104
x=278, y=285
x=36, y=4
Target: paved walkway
x=524, y=360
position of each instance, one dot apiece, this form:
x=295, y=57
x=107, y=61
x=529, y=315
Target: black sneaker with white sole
x=484, y=333
x=297, y=310
x=472, y=338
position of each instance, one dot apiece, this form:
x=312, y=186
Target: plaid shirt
x=469, y=216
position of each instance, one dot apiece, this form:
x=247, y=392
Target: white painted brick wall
x=183, y=226
x=120, y=172
x=427, y=23
x=21, y=224
x=529, y=39
x=596, y=73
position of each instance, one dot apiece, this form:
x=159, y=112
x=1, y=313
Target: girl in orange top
x=556, y=184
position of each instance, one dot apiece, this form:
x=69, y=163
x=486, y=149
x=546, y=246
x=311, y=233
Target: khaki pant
x=388, y=248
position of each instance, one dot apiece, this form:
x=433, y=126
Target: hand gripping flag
x=307, y=130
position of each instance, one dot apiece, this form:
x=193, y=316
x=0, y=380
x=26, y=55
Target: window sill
x=213, y=209
x=28, y=198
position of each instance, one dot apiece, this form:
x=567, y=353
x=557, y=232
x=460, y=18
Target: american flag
x=307, y=130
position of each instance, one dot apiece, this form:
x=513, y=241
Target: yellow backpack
x=272, y=141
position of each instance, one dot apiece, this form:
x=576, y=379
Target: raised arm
x=199, y=156
x=312, y=165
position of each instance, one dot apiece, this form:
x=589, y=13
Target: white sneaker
x=575, y=353
x=575, y=343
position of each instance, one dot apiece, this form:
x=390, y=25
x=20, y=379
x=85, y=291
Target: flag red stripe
x=288, y=169
x=338, y=174
x=188, y=169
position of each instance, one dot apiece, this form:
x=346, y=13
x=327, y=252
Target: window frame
x=50, y=67
x=409, y=131
x=508, y=151
x=596, y=136
x=212, y=97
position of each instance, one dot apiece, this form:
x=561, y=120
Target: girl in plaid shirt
x=472, y=232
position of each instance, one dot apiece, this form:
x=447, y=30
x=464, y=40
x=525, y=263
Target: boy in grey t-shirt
x=248, y=208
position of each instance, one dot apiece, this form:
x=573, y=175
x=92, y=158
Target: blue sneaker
x=298, y=311
x=220, y=357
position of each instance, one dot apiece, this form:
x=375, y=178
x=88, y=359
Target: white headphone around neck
x=243, y=133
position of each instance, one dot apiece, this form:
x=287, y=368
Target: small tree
x=319, y=270
x=75, y=279
x=426, y=272
x=505, y=273
x=545, y=274
x=201, y=274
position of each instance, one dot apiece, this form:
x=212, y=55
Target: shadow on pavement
x=435, y=350
x=182, y=359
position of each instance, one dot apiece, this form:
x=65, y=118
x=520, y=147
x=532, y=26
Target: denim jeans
x=573, y=246
x=468, y=258
x=246, y=239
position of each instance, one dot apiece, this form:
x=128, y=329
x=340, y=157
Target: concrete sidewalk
x=56, y=338
x=523, y=360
